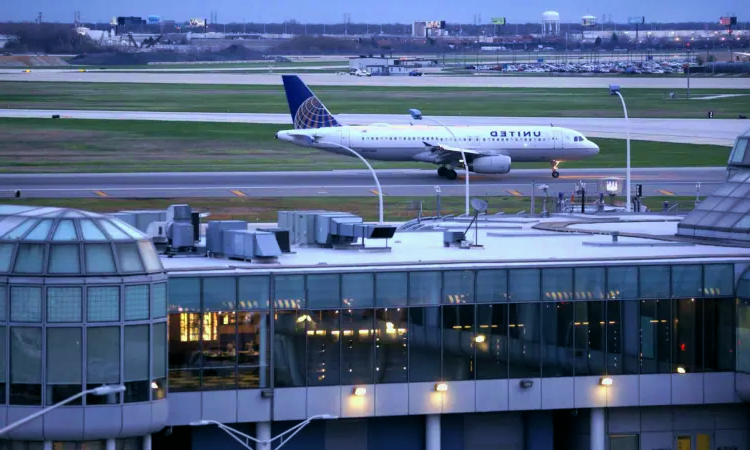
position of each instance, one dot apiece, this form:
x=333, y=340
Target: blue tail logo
x=306, y=109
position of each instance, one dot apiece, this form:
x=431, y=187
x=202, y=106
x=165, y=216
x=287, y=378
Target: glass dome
x=69, y=242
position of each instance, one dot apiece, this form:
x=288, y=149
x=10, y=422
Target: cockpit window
x=578, y=139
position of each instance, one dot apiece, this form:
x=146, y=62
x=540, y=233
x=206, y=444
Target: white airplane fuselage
x=417, y=143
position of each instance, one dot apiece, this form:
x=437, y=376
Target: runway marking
x=375, y=191
x=514, y=192
x=665, y=192
x=238, y=193
x=100, y=193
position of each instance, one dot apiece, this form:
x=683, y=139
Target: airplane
x=488, y=149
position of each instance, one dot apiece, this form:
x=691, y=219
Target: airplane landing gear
x=555, y=173
x=445, y=172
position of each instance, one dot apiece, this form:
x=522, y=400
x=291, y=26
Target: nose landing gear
x=555, y=173
x=445, y=172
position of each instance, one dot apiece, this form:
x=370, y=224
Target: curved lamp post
x=417, y=115
x=372, y=171
x=614, y=89
x=263, y=444
x=101, y=390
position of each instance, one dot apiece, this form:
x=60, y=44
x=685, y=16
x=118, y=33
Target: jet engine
x=491, y=164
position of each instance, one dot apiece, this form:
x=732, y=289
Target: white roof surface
x=505, y=241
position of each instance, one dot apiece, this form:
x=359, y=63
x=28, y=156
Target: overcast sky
x=380, y=11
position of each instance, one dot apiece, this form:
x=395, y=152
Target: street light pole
x=374, y=175
x=615, y=90
x=264, y=444
x=102, y=390
x=416, y=114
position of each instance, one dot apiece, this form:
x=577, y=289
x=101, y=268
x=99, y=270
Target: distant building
x=380, y=65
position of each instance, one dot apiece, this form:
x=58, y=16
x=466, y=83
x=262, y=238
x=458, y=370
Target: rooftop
x=503, y=240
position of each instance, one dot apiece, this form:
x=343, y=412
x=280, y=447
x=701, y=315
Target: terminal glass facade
x=326, y=328
x=743, y=323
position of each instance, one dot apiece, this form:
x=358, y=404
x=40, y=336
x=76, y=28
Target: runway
x=319, y=79
x=690, y=131
x=353, y=183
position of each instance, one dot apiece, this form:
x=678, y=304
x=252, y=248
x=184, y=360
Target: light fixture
x=526, y=383
x=441, y=387
x=479, y=338
x=359, y=391
x=154, y=385
x=680, y=370
x=605, y=381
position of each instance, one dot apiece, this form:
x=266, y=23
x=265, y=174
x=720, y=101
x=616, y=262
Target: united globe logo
x=312, y=114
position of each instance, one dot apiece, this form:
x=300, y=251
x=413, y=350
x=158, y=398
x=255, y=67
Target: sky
x=381, y=11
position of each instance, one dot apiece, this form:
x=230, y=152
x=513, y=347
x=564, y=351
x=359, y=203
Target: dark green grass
x=561, y=102
x=64, y=145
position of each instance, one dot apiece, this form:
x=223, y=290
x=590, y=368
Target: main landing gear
x=555, y=173
x=445, y=172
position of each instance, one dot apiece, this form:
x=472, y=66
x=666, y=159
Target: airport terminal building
x=570, y=332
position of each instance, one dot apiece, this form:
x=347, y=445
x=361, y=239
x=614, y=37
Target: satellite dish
x=479, y=205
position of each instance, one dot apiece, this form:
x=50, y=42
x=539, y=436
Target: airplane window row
x=451, y=140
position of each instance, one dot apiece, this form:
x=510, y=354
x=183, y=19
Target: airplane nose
x=276, y=136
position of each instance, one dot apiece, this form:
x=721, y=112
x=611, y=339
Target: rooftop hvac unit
x=266, y=245
x=282, y=238
x=180, y=236
x=158, y=232
x=374, y=231
x=179, y=213
x=285, y=219
x=453, y=238
x=196, y=221
x=304, y=227
x=238, y=244
x=215, y=237
x=144, y=218
x=328, y=225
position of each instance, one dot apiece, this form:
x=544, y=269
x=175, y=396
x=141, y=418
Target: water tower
x=551, y=22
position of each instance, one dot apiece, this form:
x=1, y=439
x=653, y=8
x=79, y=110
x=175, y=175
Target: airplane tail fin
x=306, y=109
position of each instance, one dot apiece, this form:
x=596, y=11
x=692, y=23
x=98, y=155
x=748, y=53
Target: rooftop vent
x=250, y=245
x=330, y=229
x=173, y=236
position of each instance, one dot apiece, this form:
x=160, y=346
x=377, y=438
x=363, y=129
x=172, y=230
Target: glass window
x=25, y=366
x=590, y=338
x=391, y=351
x=719, y=324
x=590, y=283
x=557, y=284
x=424, y=288
x=459, y=339
x=132, y=232
x=458, y=287
x=290, y=291
x=390, y=288
x=219, y=351
x=622, y=283
x=254, y=349
x=102, y=359
x=65, y=231
x=323, y=291
x=558, y=327
x=20, y=230
x=524, y=336
x=135, y=363
x=492, y=342
x=91, y=232
x=8, y=223
x=656, y=336
x=424, y=344
x=185, y=294
x=136, y=302
x=103, y=304
x=159, y=305
x=254, y=293
x=687, y=281
x=150, y=257
x=718, y=280
x=219, y=294
x=743, y=335
x=358, y=290
x=64, y=304
x=159, y=350
x=654, y=281
x=129, y=258
x=99, y=258
x=3, y=305
x=624, y=442
x=64, y=364
x=688, y=334
x=30, y=258
x=113, y=231
x=64, y=258
x=25, y=304
x=184, y=351
x=290, y=357
x=523, y=285
x=6, y=252
x=357, y=346
x=324, y=348
x=3, y=363
x=492, y=286
x=623, y=334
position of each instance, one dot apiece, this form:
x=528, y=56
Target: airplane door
x=557, y=139
x=345, y=136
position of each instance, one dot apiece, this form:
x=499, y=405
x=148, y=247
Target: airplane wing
x=446, y=153
x=310, y=139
